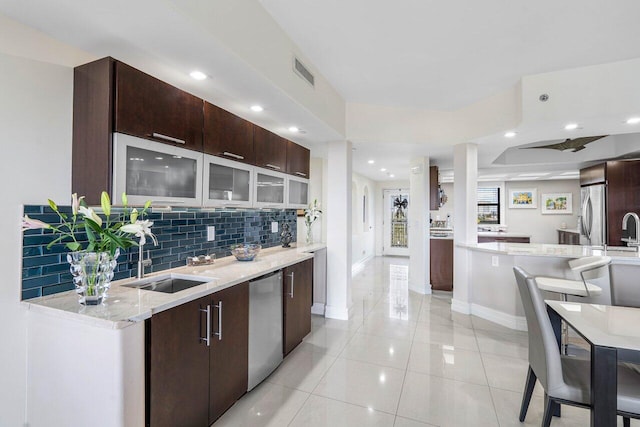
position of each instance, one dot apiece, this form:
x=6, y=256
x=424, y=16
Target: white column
x=338, y=214
x=465, y=218
x=419, y=243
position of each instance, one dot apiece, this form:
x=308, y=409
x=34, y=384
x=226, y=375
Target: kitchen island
x=87, y=364
x=494, y=294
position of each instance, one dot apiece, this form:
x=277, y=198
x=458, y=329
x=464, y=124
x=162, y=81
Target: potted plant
x=93, y=258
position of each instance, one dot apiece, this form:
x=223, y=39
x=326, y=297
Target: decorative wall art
x=523, y=198
x=557, y=203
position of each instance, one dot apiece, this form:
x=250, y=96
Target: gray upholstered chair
x=565, y=380
x=624, y=285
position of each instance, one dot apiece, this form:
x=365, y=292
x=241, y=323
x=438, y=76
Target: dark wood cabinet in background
x=189, y=382
x=229, y=353
x=504, y=239
x=441, y=264
x=568, y=238
x=152, y=109
x=297, y=160
x=271, y=150
x=434, y=190
x=297, y=300
x=178, y=366
x=622, y=179
x=227, y=135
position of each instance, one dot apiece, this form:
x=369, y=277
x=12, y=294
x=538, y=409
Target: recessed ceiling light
x=571, y=126
x=257, y=108
x=633, y=120
x=371, y=162
x=383, y=169
x=391, y=175
x=510, y=134
x=159, y=158
x=293, y=129
x=198, y=75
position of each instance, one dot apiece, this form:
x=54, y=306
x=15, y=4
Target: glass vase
x=92, y=274
x=309, y=234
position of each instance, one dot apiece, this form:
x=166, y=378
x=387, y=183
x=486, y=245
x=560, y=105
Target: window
x=489, y=205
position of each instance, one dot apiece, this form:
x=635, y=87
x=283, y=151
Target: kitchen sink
x=168, y=283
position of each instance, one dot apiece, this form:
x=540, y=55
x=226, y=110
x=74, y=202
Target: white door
x=396, y=221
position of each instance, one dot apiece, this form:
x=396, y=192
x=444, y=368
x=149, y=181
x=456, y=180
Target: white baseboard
x=510, y=321
x=317, y=308
x=422, y=290
x=460, y=306
x=359, y=266
x=340, y=313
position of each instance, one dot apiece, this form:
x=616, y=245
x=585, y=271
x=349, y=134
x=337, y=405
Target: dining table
x=613, y=333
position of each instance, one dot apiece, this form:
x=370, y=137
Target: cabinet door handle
x=168, y=138
x=206, y=338
x=292, y=277
x=269, y=165
x=219, y=333
x=235, y=156
x=301, y=173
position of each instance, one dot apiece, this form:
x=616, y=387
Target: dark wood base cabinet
x=489, y=239
x=441, y=264
x=568, y=238
x=197, y=367
x=297, y=299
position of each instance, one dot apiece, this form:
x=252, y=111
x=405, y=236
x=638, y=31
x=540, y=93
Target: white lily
x=33, y=224
x=89, y=213
x=140, y=229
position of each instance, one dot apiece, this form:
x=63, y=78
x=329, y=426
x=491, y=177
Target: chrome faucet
x=142, y=263
x=633, y=237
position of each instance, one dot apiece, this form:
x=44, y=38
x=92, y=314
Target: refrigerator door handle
x=589, y=215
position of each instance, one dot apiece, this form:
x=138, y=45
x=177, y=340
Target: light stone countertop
x=126, y=305
x=551, y=250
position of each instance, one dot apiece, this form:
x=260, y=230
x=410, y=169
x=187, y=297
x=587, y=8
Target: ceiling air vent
x=303, y=72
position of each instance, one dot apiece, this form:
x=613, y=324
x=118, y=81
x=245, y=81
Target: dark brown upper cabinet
x=434, y=190
x=270, y=149
x=152, y=109
x=297, y=160
x=227, y=135
x=109, y=96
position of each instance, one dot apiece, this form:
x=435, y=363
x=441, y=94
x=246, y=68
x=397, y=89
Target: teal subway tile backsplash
x=180, y=234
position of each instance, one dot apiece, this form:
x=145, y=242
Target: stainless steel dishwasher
x=265, y=327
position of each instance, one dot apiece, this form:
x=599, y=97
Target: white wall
x=35, y=112
x=531, y=221
x=363, y=234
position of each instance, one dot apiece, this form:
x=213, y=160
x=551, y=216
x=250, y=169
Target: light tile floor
x=402, y=360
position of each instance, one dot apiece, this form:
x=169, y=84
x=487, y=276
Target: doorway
x=396, y=222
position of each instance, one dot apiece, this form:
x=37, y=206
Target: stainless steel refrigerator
x=593, y=215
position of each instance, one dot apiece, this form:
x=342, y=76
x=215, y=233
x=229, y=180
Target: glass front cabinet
x=270, y=189
x=297, y=193
x=227, y=183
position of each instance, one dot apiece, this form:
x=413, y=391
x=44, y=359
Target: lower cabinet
x=197, y=356
x=441, y=264
x=297, y=299
x=229, y=352
x=568, y=238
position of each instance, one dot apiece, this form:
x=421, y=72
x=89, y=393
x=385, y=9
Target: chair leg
x=526, y=395
x=626, y=422
x=548, y=411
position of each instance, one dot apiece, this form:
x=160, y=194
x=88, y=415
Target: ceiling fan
x=575, y=144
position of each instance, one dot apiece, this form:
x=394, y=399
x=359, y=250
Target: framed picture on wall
x=557, y=203
x=526, y=198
